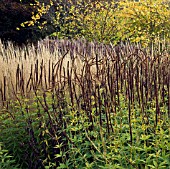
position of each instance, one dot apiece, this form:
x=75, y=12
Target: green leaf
x=145, y=137
x=62, y=166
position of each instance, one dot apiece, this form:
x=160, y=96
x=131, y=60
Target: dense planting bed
x=73, y=104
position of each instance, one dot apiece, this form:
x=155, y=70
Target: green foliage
x=97, y=149
x=31, y=136
x=15, y=136
x=93, y=20
x=6, y=161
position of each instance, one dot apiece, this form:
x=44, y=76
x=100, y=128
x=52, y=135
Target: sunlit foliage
x=145, y=21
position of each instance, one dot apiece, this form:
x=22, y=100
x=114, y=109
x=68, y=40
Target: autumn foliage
x=145, y=21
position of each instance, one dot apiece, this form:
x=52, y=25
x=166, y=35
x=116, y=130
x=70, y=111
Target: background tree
x=145, y=21
x=14, y=13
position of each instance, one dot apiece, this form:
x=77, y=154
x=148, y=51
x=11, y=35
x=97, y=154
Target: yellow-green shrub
x=145, y=21
x=109, y=21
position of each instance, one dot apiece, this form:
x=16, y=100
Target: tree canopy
x=14, y=13
x=144, y=21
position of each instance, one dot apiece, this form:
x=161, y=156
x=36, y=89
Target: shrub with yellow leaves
x=146, y=21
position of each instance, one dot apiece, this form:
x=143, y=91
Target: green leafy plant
x=6, y=160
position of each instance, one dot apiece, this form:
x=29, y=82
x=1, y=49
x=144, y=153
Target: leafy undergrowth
x=66, y=138
x=6, y=160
